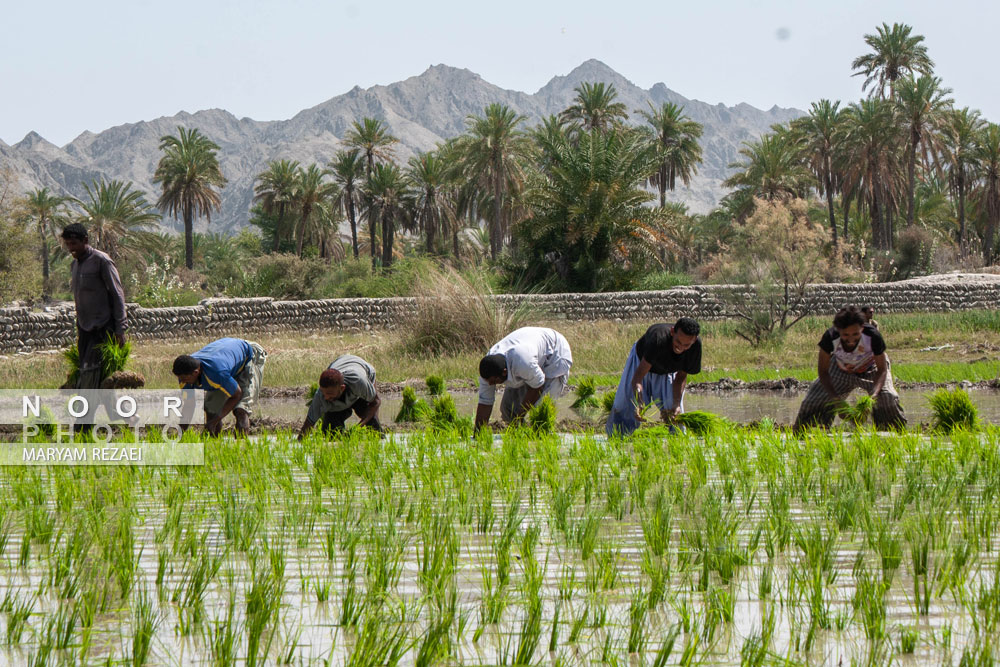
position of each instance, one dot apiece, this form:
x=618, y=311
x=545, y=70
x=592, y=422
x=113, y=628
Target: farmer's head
x=331, y=384
x=75, y=239
x=868, y=312
x=187, y=369
x=848, y=322
x=684, y=334
x=493, y=368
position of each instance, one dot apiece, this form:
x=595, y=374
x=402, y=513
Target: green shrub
x=542, y=416
x=662, y=280
x=953, y=410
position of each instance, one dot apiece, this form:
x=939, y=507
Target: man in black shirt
x=656, y=371
x=851, y=356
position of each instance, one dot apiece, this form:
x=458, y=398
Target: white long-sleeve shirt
x=533, y=354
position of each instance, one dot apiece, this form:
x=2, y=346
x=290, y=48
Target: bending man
x=851, y=356
x=530, y=362
x=348, y=385
x=656, y=370
x=230, y=370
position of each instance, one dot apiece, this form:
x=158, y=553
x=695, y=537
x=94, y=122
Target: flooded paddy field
x=744, y=547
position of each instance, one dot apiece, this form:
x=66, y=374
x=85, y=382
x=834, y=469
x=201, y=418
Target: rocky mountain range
x=421, y=111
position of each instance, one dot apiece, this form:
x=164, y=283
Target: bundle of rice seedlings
x=45, y=421
x=443, y=413
x=72, y=356
x=542, y=416
x=586, y=395
x=953, y=410
x=114, y=356
x=700, y=422
x=858, y=413
x=413, y=409
x=311, y=392
x=607, y=402
x=124, y=380
x=435, y=385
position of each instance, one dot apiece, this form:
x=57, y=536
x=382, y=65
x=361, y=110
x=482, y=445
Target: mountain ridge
x=420, y=110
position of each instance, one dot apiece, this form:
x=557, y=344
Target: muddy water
x=741, y=407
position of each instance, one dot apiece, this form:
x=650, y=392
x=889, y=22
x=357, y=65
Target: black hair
x=185, y=365
x=492, y=366
x=688, y=326
x=848, y=316
x=75, y=231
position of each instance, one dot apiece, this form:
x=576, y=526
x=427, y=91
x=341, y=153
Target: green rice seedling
x=322, y=589
x=72, y=356
x=579, y=623
x=435, y=647
x=908, y=637
x=114, y=355
x=567, y=582
x=530, y=633
x=542, y=416
x=657, y=571
x=435, y=385
x=606, y=562
x=17, y=618
x=381, y=641
x=666, y=646
x=953, y=410
x=62, y=626
x=585, y=533
x=412, y=409
x=224, y=634
x=870, y=604
x=311, y=393
x=701, y=423
x=637, y=611
x=144, y=623
x=657, y=524
x=586, y=395
x=262, y=605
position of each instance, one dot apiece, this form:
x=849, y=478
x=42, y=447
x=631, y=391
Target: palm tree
x=960, y=131
x=594, y=108
x=676, y=138
x=987, y=155
x=119, y=220
x=818, y=132
x=47, y=209
x=347, y=168
x=494, y=152
x=895, y=53
x=922, y=103
x=275, y=190
x=372, y=138
x=385, y=192
x=310, y=192
x=189, y=172
x=431, y=179
x=772, y=169
x=873, y=136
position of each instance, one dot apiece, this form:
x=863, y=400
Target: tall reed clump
x=455, y=313
x=953, y=410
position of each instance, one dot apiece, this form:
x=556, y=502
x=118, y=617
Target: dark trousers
x=335, y=420
x=91, y=359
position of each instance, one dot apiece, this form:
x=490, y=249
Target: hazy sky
x=67, y=66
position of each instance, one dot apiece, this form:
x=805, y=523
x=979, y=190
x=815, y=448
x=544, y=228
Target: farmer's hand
x=120, y=338
x=637, y=401
x=670, y=414
x=214, y=425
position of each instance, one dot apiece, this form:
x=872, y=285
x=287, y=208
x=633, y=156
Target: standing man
x=100, y=304
x=530, y=362
x=230, y=370
x=348, y=385
x=656, y=370
x=851, y=356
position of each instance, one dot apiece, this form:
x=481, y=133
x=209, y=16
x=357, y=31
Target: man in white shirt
x=530, y=362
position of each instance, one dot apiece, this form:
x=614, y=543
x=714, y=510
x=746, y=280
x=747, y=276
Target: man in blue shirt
x=230, y=370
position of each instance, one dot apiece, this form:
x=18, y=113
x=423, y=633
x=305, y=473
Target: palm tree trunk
x=279, y=227
x=495, y=235
x=846, y=203
x=306, y=210
x=188, y=236
x=961, y=213
x=354, y=222
x=829, y=206
x=45, y=259
x=911, y=184
x=431, y=224
x=663, y=186
x=387, y=229
x=454, y=242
